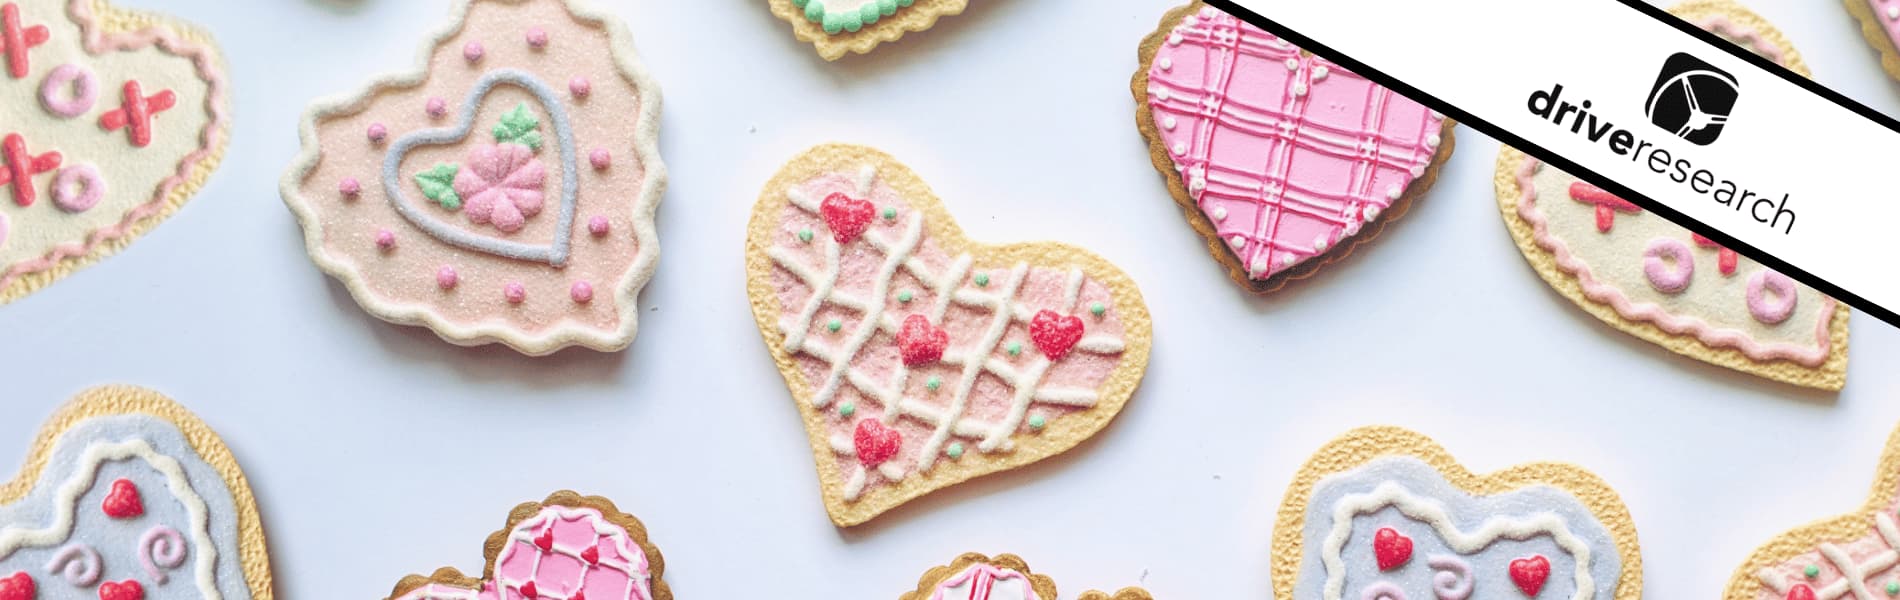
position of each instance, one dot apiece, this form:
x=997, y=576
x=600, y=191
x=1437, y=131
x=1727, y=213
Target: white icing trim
x=66, y=499
x=1434, y=514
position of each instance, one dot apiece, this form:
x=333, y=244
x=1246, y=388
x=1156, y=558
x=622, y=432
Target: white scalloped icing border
x=646, y=148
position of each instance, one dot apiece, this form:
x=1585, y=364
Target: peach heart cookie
x=977, y=577
x=503, y=192
x=116, y=118
x=1653, y=279
x=1383, y=513
x=920, y=359
x=568, y=547
x=127, y=496
x=1283, y=161
x=839, y=26
x=1853, y=556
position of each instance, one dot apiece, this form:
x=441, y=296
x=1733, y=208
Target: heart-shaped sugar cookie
x=113, y=119
x=1281, y=160
x=1851, y=556
x=974, y=576
x=568, y=547
x=1656, y=280
x=1043, y=342
x=504, y=191
x=1384, y=513
x=839, y=26
x=125, y=496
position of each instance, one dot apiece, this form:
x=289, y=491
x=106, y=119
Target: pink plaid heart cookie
x=920, y=359
x=568, y=547
x=1282, y=160
x=504, y=191
x=974, y=576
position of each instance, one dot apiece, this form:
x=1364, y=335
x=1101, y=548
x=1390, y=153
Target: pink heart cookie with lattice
x=1283, y=161
x=568, y=547
x=117, y=118
x=505, y=191
x=1846, y=557
x=918, y=358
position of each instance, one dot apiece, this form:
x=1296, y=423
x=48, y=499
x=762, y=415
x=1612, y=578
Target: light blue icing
x=553, y=253
x=1490, y=567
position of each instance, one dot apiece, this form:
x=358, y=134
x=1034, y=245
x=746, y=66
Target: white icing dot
x=1433, y=141
x=1174, y=40
x=1320, y=72
x=1287, y=260
x=1180, y=148
x=1893, y=12
x=1418, y=171
x=1162, y=94
x=1299, y=89
x=1320, y=243
x=1393, y=191
x=1352, y=227
x=1220, y=213
x=1259, y=265
x=1372, y=211
x=1238, y=240
x=1168, y=123
x=1197, y=183
x=1292, y=64
x=1166, y=63
x=1437, y=115
x=1189, y=21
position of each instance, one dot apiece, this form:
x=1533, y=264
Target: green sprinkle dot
x=1812, y=571
x=904, y=296
x=933, y=383
x=815, y=12
x=889, y=213
x=1097, y=309
x=847, y=409
x=1893, y=588
x=887, y=7
x=1036, y=422
x=1015, y=348
x=868, y=13
x=853, y=21
x=982, y=279
x=956, y=450
x=804, y=235
x=835, y=325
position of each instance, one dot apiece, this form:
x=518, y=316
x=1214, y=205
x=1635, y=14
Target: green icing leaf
x=519, y=127
x=438, y=184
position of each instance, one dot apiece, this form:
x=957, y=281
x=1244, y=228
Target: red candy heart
x=1391, y=548
x=591, y=554
x=875, y=442
x=1801, y=591
x=921, y=343
x=18, y=586
x=527, y=590
x=545, y=541
x=1055, y=334
x=123, y=501
x=121, y=590
x=847, y=217
x=1530, y=573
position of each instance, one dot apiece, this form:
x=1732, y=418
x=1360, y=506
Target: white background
x=378, y=451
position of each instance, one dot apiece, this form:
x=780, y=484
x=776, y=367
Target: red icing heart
x=921, y=343
x=847, y=217
x=527, y=590
x=591, y=554
x=121, y=590
x=875, y=442
x=1530, y=573
x=1392, y=549
x=545, y=541
x=123, y=501
x=1801, y=591
x=18, y=586
x=1055, y=334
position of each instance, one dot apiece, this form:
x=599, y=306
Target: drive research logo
x=1692, y=99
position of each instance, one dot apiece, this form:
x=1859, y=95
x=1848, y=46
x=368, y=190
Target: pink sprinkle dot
x=377, y=132
x=600, y=159
x=537, y=38
x=445, y=277
x=437, y=107
x=473, y=52
x=598, y=226
x=582, y=292
x=514, y=293
x=350, y=187
x=580, y=87
x=385, y=239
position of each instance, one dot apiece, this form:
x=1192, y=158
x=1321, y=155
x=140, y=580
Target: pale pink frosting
x=1285, y=153
x=1872, y=556
x=167, y=41
x=619, y=570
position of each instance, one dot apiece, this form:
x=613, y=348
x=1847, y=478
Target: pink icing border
x=80, y=11
x=1604, y=293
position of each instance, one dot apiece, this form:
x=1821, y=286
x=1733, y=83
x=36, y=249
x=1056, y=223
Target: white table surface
x=378, y=451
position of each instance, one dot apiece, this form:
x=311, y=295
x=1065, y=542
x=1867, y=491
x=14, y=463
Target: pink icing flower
x=501, y=184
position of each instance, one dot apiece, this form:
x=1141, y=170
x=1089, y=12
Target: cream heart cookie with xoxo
x=918, y=358
x=504, y=192
x=1653, y=279
x=568, y=547
x=839, y=26
x=974, y=576
x=1383, y=513
x=128, y=496
x=111, y=120
x=1851, y=556
x=1281, y=160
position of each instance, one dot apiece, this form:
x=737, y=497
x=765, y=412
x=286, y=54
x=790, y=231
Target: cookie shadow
x=341, y=7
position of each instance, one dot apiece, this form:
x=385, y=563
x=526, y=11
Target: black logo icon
x=1692, y=99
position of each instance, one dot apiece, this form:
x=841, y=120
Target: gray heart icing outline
x=553, y=253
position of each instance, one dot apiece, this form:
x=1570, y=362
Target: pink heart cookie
x=118, y=119
x=1282, y=160
x=503, y=192
x=886, y=425
x=569, y=547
